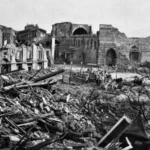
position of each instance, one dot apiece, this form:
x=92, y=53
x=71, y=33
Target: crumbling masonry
x=18, y=51
x=76, y=43
x=33, y=48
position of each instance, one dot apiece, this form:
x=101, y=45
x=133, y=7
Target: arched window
x=80, y=31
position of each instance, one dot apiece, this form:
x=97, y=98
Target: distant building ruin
x=76, y=43
x=33, y=48
x=24, y=49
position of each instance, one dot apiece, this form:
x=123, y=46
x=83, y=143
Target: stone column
x=45, y=59
x=13, y=61
x=53, y=50
x=24, y=57
x=34, y=56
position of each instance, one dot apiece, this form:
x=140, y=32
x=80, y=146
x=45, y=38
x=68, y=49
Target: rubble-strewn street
x=38, y=112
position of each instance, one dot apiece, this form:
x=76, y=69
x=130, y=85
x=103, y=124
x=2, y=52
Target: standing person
x=108, y=76
x=87, y=78
x=88, y=70
x=97, y=78
x=92, y=70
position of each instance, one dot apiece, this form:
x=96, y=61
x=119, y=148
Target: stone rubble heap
x=62, y=116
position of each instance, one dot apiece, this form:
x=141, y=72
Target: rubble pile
x=30, y=74
x=63, y=116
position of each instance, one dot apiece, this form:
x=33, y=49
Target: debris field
x=38, y=112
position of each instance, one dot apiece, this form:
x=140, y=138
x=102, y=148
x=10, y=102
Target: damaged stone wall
x=124, y=50
x=112, y=38
x=85, y=48
x=91, y=51
x=7, y=36
x=63, y=33
x=61, y=29
x=66, y=29
x=144, y=47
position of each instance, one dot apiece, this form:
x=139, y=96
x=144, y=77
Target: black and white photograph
x=74, y=74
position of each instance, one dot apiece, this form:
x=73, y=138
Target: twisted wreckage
x=38, y=111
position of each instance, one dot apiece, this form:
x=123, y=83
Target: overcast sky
x=130, y=16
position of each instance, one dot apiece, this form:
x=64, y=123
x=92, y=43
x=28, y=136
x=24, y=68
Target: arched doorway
x=134, y=55
x=111, y=57
x=80, y=31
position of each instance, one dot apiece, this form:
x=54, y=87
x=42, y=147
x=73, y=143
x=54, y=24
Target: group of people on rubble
x=104, y=79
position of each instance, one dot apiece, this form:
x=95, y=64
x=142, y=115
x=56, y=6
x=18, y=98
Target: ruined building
x=30, y=33
x=28, y=49
x=33, y=48
x=76, y=43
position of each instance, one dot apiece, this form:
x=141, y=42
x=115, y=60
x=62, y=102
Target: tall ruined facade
x=76, y=43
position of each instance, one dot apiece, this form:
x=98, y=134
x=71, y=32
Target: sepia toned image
x=75, y=75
